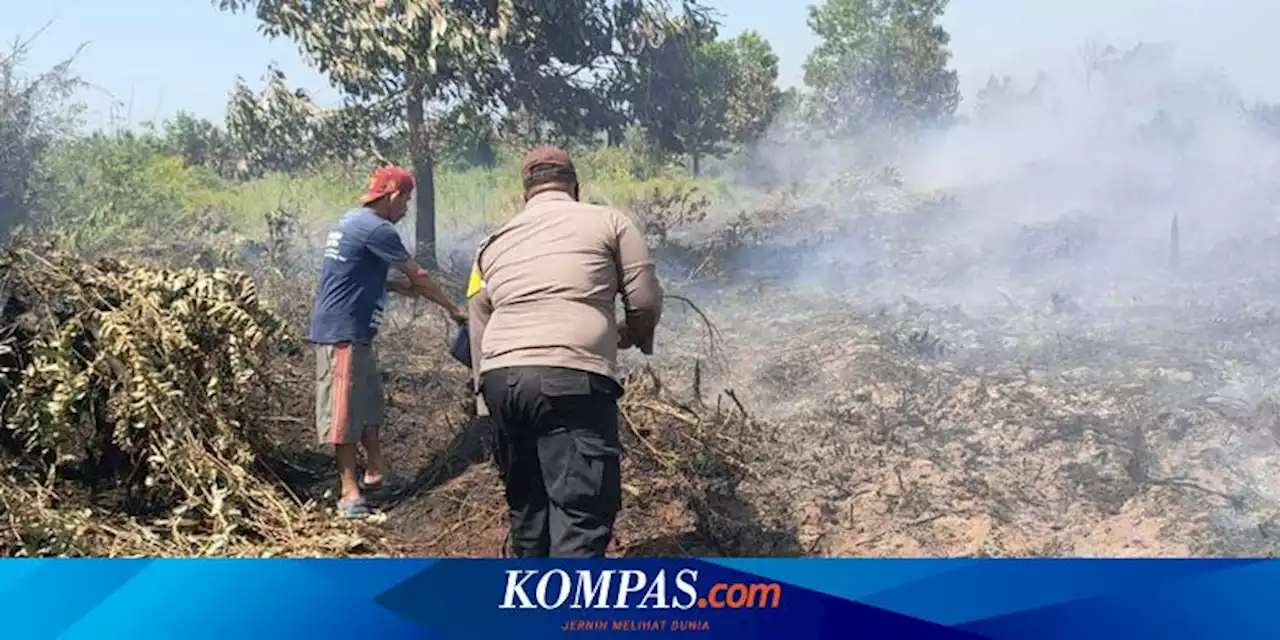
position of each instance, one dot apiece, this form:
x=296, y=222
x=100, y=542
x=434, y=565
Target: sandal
x=354, y=509
x=365, y=484
x=387, y=485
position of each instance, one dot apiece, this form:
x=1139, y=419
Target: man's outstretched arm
x=386, y=244
x=424, y=285
x=399, y=283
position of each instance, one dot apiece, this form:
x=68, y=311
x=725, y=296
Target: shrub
x=111, y=191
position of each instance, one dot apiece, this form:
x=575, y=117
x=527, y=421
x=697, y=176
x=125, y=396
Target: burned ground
x=1135, y=420
x=831, y=394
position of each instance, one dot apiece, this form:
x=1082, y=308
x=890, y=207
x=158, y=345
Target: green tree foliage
x=754, y=97
x=412, y=51
x=880, y=63
x=565, y=61
x=34, y=112
x=112, y=188
x=697, y=95
x=275, y=129
x=468, y=136
x=283, y=130
x=540, y=56
x=200, y=143
x=677, y=89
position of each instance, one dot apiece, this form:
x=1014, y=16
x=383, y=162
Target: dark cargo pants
x=557, y=448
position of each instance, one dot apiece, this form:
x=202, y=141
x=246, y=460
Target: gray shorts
x=348, y=392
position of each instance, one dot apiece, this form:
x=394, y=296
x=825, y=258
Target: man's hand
x=459, y=315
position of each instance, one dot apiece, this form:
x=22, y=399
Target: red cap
x=386, y=181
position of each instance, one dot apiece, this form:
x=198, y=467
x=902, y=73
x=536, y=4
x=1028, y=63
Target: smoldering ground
x=990, y=345
x=1050, y=329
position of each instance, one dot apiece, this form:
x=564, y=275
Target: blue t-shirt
x=353, y=282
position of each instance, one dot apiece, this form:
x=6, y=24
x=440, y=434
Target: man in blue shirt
x=358, y=256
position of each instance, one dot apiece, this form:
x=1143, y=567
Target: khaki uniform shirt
x=544, y=287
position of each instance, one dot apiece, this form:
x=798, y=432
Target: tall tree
x=695, y=94
x=411, y=51
x=504, y=54
x=881, y=63
x=754, y=97
x=678, y=89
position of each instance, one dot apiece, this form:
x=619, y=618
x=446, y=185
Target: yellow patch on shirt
x=475, y=284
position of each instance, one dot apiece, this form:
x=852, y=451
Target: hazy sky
x=160, y=56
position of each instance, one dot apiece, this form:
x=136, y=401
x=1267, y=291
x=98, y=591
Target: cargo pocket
x=606, y=386
x=582, y=401
x=591, y=479
x=584, y=420
x=565, y=384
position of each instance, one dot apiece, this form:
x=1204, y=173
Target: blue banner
x=386, y=599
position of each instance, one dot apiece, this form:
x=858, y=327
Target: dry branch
x=132, y=398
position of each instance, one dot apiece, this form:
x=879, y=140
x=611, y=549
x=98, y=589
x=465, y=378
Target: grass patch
x=123, y=193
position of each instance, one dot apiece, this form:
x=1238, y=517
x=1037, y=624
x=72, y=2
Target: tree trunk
x=697, y=163
x=424, y=172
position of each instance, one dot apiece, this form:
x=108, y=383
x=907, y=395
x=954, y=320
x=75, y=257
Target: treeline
x=459, y=84
x=466, y=82
x=429, y=82
x=463, y=83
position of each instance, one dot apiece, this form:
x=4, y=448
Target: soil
x=876, y=446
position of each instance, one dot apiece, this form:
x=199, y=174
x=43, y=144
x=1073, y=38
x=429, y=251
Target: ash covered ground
x=1056, y=389
x=1050, y=331
x=1134, y=417
x=1047, y=332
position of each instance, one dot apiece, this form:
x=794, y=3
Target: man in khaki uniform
x=544, y=346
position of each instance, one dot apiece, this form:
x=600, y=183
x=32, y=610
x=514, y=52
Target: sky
x=152, y=58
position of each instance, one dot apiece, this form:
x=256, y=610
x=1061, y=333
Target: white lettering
x=333, y=247
x=657, y=590
x=686, y=587
x=586, y=590
x=589, y=589
x=633, y=581
x=540, y=592
x=515, y=589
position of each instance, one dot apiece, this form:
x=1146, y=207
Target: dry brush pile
x=134, y=405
